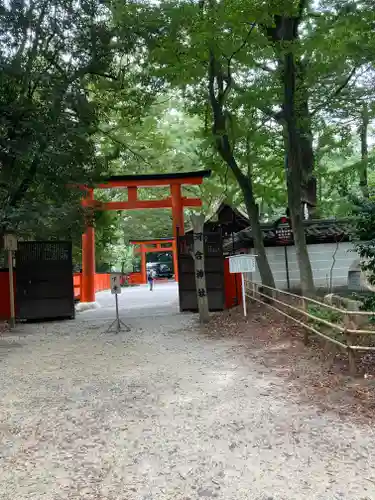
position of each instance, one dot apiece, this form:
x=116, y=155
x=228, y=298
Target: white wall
x=321, y=258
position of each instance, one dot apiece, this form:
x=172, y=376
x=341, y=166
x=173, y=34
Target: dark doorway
x=214, y=268
x=44, y=280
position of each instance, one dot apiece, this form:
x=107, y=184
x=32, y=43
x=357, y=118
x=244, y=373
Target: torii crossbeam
x=132, y=183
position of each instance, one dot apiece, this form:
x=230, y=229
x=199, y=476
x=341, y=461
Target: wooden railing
x=272, y=297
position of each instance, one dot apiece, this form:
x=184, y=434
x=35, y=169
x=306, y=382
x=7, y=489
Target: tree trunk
x=305, y=139
x=308, y=181
x=294, y=155
x=303, y=259
x=284, y=32
x=199, y=267
x=224, y=147
x=363, y=181
x=246, y=186
x=295, y=119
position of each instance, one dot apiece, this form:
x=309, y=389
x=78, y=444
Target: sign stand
x=12, y=319
x=243, y=294
x=10, y=244
x=244, y=263
x=117, y=325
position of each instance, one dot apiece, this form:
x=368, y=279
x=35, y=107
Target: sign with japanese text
x=283, y=231
x=242, y=263
x=115, y=283
x=10, y=242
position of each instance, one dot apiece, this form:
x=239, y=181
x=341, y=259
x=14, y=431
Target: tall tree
x=219, y=85
x=312, y=77
x=51, y=51
x=294, y=117
x=195, y=59
x=363, y=131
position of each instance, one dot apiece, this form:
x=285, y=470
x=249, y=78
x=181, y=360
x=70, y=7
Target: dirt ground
x=318, y=372
x=170, y=411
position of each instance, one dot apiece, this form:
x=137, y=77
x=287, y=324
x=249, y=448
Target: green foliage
x=51, y=52
x=178, y=36
x=365, y=235
x=323, y=313
x=91, y=88
x=164, y=140
x=63, y=69
x=368, y=304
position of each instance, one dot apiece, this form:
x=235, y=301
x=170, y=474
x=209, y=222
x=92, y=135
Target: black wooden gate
x=44, y=280
x=214, y=268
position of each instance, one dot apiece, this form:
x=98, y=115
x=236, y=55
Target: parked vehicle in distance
x=161, y=269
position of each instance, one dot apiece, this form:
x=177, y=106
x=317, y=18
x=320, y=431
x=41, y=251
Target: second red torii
x=144, y=248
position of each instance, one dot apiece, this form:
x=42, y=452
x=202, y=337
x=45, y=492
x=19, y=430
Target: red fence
x=102, y=282
x=135, y=278
x=4, y=294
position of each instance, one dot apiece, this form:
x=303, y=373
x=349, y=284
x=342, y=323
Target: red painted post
x=177, y=210
x=232, y=287
x=178, y=222
x=143, y=264
x=175, y=259
x=5, y=294
x=88, y=258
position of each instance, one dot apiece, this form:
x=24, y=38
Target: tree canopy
x=277, y=99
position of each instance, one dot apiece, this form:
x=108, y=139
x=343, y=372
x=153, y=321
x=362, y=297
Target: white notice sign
x=10, y=242
x=116, y=283
x=242, y=263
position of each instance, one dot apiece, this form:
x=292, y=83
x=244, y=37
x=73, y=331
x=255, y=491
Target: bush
x=364, y=235
x=368, y=303
x=324, y=313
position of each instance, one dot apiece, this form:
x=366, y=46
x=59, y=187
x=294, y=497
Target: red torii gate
x=145, y=248
x=176, y=202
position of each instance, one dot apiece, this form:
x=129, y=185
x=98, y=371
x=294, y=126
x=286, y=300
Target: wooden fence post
x=306, y=331
x=351, y=354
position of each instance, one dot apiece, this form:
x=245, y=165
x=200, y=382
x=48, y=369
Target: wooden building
x=328, y=242
x=227, y=219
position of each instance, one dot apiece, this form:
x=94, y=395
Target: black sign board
x=214, y=271
x=283, y=231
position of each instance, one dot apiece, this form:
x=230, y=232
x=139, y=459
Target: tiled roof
x=316, y=230
x=217, y=208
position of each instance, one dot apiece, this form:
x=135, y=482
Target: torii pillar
x=143, y=265
x=178, y=222
x=88, y=255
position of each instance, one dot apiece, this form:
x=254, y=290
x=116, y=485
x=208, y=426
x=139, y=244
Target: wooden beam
x=140, y=204
x=151, y=242
x=153, y=250
x=149, y=182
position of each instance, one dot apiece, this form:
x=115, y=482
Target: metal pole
x=12, y=319
x=117, y=314
x=243, y=294
x=287, y=266
x=233, y=250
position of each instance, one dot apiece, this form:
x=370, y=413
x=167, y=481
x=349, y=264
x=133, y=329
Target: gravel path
x=162, y=412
